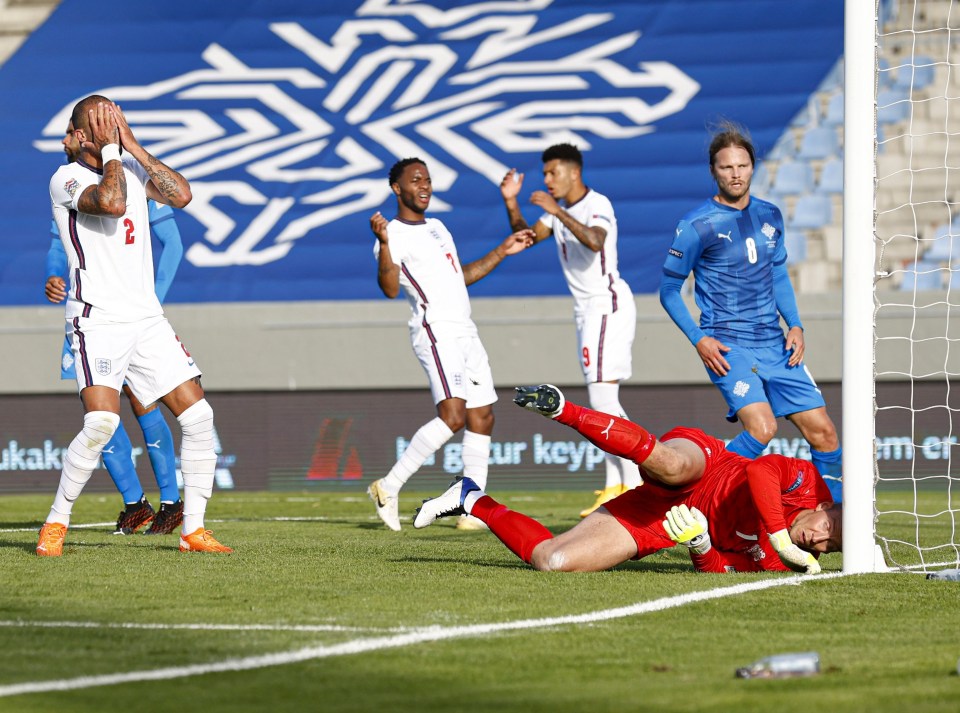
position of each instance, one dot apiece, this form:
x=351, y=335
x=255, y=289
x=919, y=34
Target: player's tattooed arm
x=592, y=237
x=514, y=243
x=172, y=188
x=110, y=196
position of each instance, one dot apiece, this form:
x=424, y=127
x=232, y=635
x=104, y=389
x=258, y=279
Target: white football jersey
x=110, y=260
x=593, y=277
x=430, y=274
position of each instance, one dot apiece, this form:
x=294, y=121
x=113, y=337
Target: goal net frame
x=868, y=342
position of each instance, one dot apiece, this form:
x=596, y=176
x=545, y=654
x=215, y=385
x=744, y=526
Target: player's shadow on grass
x=31, y=547
x=653, y=567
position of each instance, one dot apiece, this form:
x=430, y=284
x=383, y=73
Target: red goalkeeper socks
x=610, y=434
x=520, y=533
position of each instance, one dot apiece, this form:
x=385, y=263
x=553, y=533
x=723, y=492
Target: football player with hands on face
x=120, y=333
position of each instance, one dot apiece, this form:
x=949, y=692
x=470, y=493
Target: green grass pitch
x=322, y=608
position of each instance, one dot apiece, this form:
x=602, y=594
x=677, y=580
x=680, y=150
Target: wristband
x=110, y=152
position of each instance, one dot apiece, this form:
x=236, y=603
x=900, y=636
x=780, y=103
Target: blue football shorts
x=761, y=374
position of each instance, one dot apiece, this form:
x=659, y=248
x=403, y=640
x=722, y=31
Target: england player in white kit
x=417, y=254
x=584, y=226
x=119, y=331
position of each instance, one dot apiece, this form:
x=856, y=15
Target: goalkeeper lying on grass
x=734, y=514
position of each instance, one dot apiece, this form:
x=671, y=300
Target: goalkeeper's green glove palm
x=688, y=526
x=792, y=556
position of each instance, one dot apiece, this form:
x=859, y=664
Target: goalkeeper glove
x=688, y=526
x=792, y=556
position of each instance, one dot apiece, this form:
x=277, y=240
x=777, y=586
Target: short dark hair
x=397, y=169
x=727, y=134
x=79, y=115
x=563, y=152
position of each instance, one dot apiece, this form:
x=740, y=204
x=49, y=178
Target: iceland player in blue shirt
x=734, y=245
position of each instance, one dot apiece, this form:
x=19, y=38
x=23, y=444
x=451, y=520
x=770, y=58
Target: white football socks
x=81, y=458
x=425, y=442
x=476, y=457
x=198, y=461
x=605, y=397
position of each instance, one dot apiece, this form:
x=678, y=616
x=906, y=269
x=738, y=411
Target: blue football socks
x=829, y=464
x=159, y=440
x=118, y=460
x=746, y=445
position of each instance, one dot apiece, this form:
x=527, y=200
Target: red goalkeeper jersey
x=743, y=500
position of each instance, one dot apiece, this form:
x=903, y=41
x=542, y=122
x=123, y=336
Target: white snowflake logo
x=741, y=388
x=768, y=230
x=276, y=154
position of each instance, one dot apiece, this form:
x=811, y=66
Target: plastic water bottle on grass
x=949, y=575
x=783, y=666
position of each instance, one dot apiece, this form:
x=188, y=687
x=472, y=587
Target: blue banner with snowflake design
x=286, y=116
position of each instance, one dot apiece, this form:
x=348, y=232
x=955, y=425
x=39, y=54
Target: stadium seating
x=944, y=244
x=955, y=277
x=833, y=116
x=834, y=79
x=796, y=244
x=893, y=105
x=831, y=176
x=916, y=76
x=792, y=177
x=820, y=142
x=760, y=183
x=922, y=275
x=812, y=212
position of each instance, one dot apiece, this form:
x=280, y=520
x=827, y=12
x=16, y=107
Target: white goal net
x=916, y=333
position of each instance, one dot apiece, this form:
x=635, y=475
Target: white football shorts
x=606, y=343
x=147, y=353
x=456, y=366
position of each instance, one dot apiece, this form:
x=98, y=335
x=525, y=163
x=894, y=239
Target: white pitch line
x=85, y=526
x=380, y=643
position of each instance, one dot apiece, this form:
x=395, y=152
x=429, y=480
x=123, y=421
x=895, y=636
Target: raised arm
x=165, y=185
x=509, y=190
x=109, y=197
x=388, y=272
x=592, y=237
x=514, y=243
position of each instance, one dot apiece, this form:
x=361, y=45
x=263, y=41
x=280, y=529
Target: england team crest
x=103, y=366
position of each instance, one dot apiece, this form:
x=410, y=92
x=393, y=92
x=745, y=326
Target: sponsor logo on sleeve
x=676, y=253
x=796, y=483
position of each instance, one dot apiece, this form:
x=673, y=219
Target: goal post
x=859, y=440
x=901, y=286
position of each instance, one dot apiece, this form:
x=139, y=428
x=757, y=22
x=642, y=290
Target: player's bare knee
x=480, y=421
x=763, y=430
x=549, y=558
